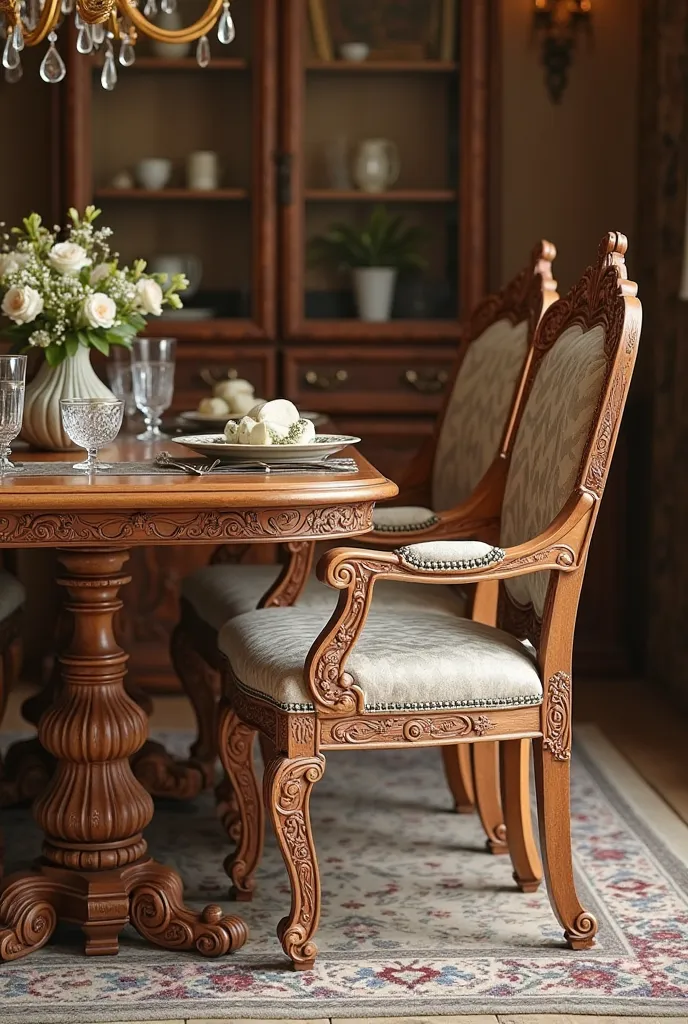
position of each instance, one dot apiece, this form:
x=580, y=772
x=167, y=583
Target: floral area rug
x=417, y=917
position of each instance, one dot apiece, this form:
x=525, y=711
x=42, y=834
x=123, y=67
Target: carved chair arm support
x=354, y=573
x=289, y=585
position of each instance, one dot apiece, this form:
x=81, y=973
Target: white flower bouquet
x=63, y=294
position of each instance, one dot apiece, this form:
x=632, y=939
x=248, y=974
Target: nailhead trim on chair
x=408, y=527
x=442, y=705
x=490, y=558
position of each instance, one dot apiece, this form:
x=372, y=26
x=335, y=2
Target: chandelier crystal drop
x=103, y=25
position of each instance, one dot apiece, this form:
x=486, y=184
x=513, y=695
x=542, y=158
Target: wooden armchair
x=428, y=680
x=462, y=472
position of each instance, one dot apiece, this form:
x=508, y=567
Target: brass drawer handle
x=212, y=375
x=325, y=382
x=428, y=382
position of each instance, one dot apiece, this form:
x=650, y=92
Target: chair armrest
x=355, y=572
x=477, y=516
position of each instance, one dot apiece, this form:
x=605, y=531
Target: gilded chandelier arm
x=355, y=572
x=178, y=35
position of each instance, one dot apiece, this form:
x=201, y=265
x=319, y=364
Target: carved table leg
x=248, y=827
x=94, y=870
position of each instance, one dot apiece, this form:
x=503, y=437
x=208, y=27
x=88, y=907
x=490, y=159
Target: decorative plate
x=209, y=420
x=214, y=446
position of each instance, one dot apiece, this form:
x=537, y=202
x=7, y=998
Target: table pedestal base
x=95, y=871
x=102, y=902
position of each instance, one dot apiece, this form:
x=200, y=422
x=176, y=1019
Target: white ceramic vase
x=73, y=378
x=374, y=292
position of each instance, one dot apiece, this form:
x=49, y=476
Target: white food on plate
x=303, y=432
x=231, y=389
x=246, y=425
x=232, y=432
x=261, y=434
x=280, y=411
x=242, y=405
x=214, y=407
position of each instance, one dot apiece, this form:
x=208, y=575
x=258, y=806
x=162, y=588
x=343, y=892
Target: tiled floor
x=653, y=742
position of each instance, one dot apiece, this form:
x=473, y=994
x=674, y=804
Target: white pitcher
x=376, y=166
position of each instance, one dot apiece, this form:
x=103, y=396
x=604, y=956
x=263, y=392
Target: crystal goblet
x=152, y=367
x=12, y=384
x=91, y=423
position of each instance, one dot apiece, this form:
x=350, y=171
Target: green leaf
x=98, y=342
x=54, y=354
x=71, y=344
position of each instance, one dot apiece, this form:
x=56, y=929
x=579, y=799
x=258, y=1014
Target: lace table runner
x=331, y=466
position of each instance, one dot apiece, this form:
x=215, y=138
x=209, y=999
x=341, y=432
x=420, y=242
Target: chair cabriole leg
x=515, y=784
x=552, y=780
x=288, y=783
x=486, y=776
x=248, y=826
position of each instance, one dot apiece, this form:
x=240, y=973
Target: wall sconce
x=557, y=25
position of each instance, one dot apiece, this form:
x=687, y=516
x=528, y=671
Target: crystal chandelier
x=101, y=25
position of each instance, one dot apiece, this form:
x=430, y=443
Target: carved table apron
x=94, y=870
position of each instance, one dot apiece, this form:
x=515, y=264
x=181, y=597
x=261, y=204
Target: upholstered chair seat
x=404, y=660
x=218, y=593
x=403, y=519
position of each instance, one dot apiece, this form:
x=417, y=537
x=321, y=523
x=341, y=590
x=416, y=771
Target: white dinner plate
x=214, y=446
x=210, y=420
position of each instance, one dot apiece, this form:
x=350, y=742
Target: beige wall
x=568, y=172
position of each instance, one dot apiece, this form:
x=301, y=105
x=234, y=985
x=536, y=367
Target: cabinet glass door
x=385, y=199
x=179, y=158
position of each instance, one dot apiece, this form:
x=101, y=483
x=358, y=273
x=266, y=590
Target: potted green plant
x=374, y=255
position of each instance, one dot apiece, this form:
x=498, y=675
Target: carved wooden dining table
x=94, y=870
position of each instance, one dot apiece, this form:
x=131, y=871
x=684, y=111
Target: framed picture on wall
x=393, y=29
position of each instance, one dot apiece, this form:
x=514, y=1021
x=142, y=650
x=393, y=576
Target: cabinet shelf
x=398, y=195
x=174, y=194
x=181, y=64
x=381, y=67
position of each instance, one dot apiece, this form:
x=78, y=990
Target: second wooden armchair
x=456, y=486
x=432, y=680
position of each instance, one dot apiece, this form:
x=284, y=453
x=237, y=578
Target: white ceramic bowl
x=354, y=51
x=153, y=173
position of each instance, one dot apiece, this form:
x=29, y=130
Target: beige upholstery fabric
x=403, y=660
x=218, y=593
x=549, y=446
x=448, y=555
x=12, y=594
x=403, y=519
x=477, y=412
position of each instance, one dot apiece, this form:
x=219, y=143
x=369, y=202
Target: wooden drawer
x=196, y=364
x=408, y=379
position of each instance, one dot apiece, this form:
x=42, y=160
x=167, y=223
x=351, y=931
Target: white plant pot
x=374, y=291
x=73, y=378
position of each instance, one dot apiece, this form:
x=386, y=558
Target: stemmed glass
x=120, y=378
x=152, y=366
x=91, y=423
x=12, y=384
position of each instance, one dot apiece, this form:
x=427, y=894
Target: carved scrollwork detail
x=63, y=528
x=557, y=725
x=28, y=917
x=522, y=298
x=288, y=786
x=407, y=729
x=96, y=11
x=333, y=688
x=157, y=911
x=582, y=931
x=246, y=827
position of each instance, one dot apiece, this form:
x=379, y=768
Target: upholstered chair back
x=489, y=370
x=574, y=397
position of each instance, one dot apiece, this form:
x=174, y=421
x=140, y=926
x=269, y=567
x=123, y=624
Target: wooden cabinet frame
x=471, y=196
x=79, y=186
